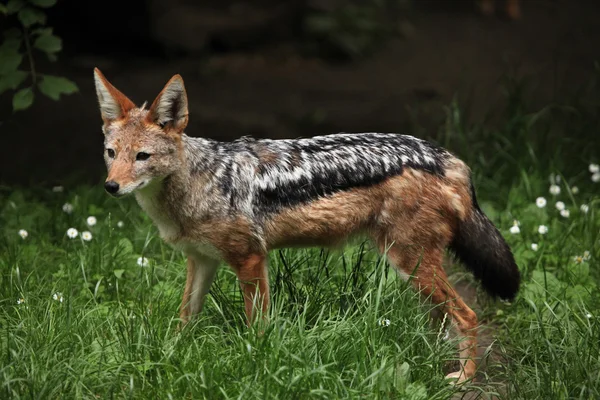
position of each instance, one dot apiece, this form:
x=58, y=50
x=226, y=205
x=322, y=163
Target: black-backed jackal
x=235, y=201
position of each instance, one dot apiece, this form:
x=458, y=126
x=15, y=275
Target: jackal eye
x=111, y=153
x=141, y=156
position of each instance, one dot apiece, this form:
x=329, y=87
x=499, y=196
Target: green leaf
x=31, y=16
x=48, y=43
x=42, y=31
x=12, y=80
x=12, y=43
x=581, y=272
x=119, y=273
x=416, y=391
x=14, y=6
x=54, y=86
x=125, y=247
x=23, y=99
x=3, y=9
x=43, y=3
x=578, y=293
x=10, y=59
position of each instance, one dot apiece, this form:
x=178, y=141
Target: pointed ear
x=170, y=108
x=113, y=104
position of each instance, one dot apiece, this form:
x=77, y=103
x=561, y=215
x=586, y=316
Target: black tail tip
x=492, y=263
x=509, y=286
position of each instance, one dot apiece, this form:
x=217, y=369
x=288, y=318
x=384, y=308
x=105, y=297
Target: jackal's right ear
x=113, y=104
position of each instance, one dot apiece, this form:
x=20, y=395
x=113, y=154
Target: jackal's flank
x=235, y=201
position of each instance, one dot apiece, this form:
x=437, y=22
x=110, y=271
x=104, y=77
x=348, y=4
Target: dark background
x=253, y=68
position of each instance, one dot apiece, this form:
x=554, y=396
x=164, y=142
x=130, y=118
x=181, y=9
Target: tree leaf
x=12, y=80
x=12, y=33
x=23, y=99
x=43, y=3
x=10, y=59
x=31, y=16
x=48, y=43
x=3, y=9
x=42, y=31
x=14, y=6
x=12, y=43
x=54, y=86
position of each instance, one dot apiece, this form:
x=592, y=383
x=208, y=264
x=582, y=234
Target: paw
x=457, y=378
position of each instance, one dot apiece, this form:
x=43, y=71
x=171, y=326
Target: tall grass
x=82, y=319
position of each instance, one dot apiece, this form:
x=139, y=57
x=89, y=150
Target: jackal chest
x=193, y=238
x=211, y=234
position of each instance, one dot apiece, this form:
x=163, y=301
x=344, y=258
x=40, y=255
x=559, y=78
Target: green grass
x=114, y=334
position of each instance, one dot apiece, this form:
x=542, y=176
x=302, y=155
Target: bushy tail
x=482, y=249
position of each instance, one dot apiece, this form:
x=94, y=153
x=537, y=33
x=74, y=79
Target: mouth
x=116, y=195
x=128, y=189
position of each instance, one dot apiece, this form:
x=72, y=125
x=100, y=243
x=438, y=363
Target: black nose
x=111, y=187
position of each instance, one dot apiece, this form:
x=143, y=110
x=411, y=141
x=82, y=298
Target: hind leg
x=424, y=267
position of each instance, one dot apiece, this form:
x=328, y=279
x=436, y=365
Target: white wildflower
x=248, y=348
x=384, y=322
x=574, y=190
x=543, y=229
x=58, y=296
x=588, y=315
x=86, y=235
x=68, y=208
x=554, y=190
x=594, y=168
x=57, y=189
x=584, y=208
x=596, y=177
x=143, y=262
x=120, y=224
x=20, y=300
x=72, y=233
x=586, y=255
x=23, y=233
x=565, y=213
x=578, y=259
x=560, y=205
x=515, y=228
x=91, y=221
x=534, y=246
x=540, y=202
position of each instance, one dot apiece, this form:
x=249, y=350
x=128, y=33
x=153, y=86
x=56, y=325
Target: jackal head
x=141, y=146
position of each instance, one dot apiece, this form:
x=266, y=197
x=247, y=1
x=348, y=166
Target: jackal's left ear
x=170, y=108
x=113, y=104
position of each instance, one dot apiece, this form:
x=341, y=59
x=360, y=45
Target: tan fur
x=267, y=157
x=113, y=103
x=179, y=121
x=420, y=213
x=411, y=217
x=252, y=274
